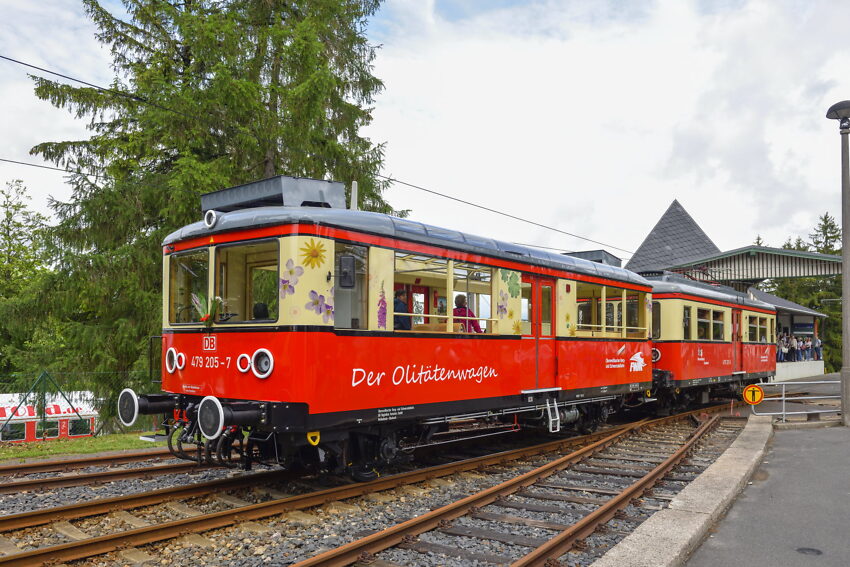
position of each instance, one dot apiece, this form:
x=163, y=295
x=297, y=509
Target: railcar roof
x=402, y=229
x=674, y=283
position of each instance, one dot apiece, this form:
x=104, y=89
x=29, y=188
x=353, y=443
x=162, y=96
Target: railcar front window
x=248, y=280
x=187, y=277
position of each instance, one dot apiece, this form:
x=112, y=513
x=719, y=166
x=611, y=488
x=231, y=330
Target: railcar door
x=737, y=344
x=538, y=325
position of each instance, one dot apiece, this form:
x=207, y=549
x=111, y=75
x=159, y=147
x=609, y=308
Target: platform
x=776, y=498
x=796, y=512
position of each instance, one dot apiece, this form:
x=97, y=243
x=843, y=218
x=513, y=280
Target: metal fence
x=785, y=397
x=98, y=390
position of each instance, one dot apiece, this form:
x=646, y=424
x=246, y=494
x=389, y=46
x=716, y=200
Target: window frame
x=169, y=259
x=218, y=274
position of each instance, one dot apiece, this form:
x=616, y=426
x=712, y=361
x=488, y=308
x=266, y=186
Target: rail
x=784, y=399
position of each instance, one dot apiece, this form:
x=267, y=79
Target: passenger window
x=79, y=427
x=350, y=304
x=718, y=327
x=546, y=311
x=427, y=280
x=46, y=429
x=248, y=282
x=753, y=329
x=656, y=320
x=763, y=329
x=187, y=277
x=588, y=299
x=686, y=323
x=703, y=325
x=526, y=309
x=13, y=432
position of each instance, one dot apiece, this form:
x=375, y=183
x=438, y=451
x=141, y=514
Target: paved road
x=796, y=512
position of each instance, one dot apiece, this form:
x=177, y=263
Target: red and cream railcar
x=301, y=356
x=709, y=335
x=66, y=416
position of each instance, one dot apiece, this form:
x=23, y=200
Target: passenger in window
x=461, y=310
x=401, y=322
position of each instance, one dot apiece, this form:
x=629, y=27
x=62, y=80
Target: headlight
x=262, y=363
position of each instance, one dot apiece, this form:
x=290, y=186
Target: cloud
x=593, y=119
x=590, y=116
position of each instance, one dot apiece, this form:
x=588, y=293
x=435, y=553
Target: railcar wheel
x=364, y=473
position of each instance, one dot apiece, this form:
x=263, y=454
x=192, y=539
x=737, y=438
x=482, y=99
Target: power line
x=390, y=179
x=130, y=96
x=535, y=223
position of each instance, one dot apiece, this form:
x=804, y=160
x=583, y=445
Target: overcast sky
x=590, y=117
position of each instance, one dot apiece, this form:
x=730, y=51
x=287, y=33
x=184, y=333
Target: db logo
x=209, y=342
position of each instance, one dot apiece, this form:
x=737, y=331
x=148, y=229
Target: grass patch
x=81, y=445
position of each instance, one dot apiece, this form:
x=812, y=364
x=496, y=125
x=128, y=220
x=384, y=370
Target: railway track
x=237, y=511
x=643, y=452
x=91, y=541
x=18, y=469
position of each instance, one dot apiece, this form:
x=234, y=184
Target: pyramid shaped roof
x=674, y=240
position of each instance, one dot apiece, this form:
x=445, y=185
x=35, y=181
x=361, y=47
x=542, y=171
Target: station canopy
x=678, y=244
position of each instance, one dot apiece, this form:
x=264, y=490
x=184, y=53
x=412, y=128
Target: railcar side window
x=703, y=324
x=350, y=304
x=527, y=309
x=753, y=329
x=656, y=319
x=46, y=429
x=13, y=432
x=718, y=328
x=79, y=427
x=588, y=298
x=686, y=323
x=434, y=286
x=187, y=276
x=247, y=280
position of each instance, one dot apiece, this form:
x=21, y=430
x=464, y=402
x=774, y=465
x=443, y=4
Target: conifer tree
x=826, y=238
x=206, y=94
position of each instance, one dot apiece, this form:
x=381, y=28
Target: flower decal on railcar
x=517, y=328
x=382, y=308
x=502, y=305
x=313, y=254
x=512, y=279
x=316, y=303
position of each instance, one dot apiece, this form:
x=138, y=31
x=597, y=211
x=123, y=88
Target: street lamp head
x=839, y=111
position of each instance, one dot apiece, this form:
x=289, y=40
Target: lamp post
x=841, y=111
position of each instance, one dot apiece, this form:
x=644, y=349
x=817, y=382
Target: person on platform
x=461, y=310
x=818, y=346
x=780, y=344
x=792, y=349
x=401, y=322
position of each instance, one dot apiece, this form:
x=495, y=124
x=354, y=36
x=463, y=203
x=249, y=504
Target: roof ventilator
x=275, y=192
